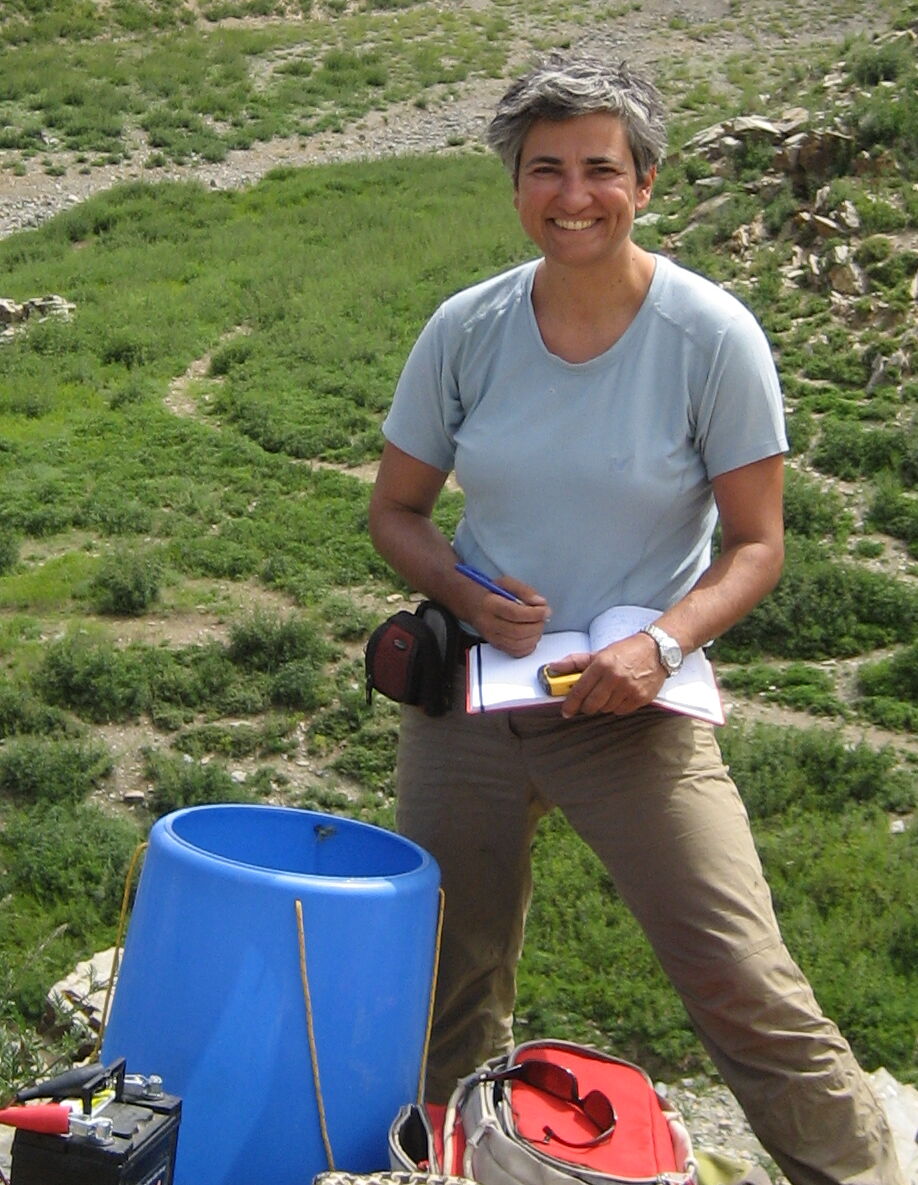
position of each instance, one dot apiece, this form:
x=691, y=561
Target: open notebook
x=496, y=681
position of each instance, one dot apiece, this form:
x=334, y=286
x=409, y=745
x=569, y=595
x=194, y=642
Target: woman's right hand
x=403, y=498
x=515, y=628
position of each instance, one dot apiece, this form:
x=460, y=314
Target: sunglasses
x=561, y=1084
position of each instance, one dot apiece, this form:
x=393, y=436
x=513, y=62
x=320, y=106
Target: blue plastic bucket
x=210, y=993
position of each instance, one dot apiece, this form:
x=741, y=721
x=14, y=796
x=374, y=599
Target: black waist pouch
x=411, y=658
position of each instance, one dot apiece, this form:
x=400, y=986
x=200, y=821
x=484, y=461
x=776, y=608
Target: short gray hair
x=561, y=87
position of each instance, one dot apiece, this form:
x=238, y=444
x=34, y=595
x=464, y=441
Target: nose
x=574, y=193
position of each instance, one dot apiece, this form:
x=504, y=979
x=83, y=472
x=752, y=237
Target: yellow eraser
x=557, y=684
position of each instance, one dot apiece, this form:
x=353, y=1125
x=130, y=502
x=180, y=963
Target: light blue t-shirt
x=590, y=481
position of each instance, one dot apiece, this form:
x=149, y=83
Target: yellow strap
x=433, y=992
x=119, y=942
x=310, y=1030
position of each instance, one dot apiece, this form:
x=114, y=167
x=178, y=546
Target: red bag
x=551, y=1113
x=639, y=1145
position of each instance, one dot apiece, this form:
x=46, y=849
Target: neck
x=597, y=293
x=581, y=314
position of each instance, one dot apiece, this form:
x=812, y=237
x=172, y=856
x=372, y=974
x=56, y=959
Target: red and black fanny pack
x=411, y=658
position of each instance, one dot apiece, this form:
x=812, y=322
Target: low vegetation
x=304, y=294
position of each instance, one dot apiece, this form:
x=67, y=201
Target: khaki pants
x=650, y=794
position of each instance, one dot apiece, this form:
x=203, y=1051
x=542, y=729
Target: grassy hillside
x=185, y=574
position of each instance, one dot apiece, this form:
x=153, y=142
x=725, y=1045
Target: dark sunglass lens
x=554, y=1080
x=598, y=1110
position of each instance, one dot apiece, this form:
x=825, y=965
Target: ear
x=644, y=189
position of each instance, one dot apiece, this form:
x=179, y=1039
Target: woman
x=602, y=409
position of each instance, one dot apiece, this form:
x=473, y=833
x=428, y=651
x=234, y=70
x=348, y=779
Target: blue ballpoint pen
x=487, y=582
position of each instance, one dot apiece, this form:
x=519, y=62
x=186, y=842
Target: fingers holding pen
x=509, y=614
x=514, y=627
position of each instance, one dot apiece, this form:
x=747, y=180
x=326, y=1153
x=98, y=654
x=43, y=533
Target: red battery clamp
x=100, y=1127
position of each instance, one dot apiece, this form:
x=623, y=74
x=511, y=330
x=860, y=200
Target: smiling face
x=577, y=190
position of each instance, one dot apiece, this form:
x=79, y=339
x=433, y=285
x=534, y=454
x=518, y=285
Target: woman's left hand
x=616, y=680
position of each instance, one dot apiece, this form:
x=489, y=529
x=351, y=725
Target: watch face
x=668, y=648
x=671, y=654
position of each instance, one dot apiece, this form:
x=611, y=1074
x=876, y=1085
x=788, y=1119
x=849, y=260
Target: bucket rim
x=169, y=824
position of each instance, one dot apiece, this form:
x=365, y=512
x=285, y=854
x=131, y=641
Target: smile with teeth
x=574, y=223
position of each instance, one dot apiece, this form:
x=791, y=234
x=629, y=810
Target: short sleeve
x=426, y=410
x=741, y=416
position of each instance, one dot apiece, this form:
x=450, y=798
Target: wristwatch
x=668, y=648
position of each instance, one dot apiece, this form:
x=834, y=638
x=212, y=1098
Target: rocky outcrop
x=14, y=315
x=794, y=165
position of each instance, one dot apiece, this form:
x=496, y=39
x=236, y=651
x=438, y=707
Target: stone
x=849, y=279
x=82, y=993
x=848, y=216
x=814, y=157
x=11, y=313
x=827, y=228
x=793, y=120
x=705, y=186
x=755, y=126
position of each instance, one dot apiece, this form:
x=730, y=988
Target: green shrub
x=70, y=858
x=779, y=209
x=102, y=682
x=239, y=740
x=823, y=609
x=895, y=714
x=23, y=712
x=298, y=685
x=23, y=1054
x=263, y=642
x=896, y=676
x=871, y=65
x=812, y=511
x=181, y=781
x=369, y=757
x=232, y=354
x=869, y=549
x=780, y=770
x=49, y=770
x=801, y=430
x=845, y=893
x=799, y=686
x=364, y=738
x=9, y=551
x=895, y=512
x=874, y=249
x=127, y=583
x=347, y=621
x=887, y=120
x=215, y=556
x=94, y=679
x=831, y=358
x=334, y=723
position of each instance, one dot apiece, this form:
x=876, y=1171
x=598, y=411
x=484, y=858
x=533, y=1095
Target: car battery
x=122, y=1130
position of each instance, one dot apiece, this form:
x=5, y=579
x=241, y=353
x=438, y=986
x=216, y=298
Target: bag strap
x=444, y=625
